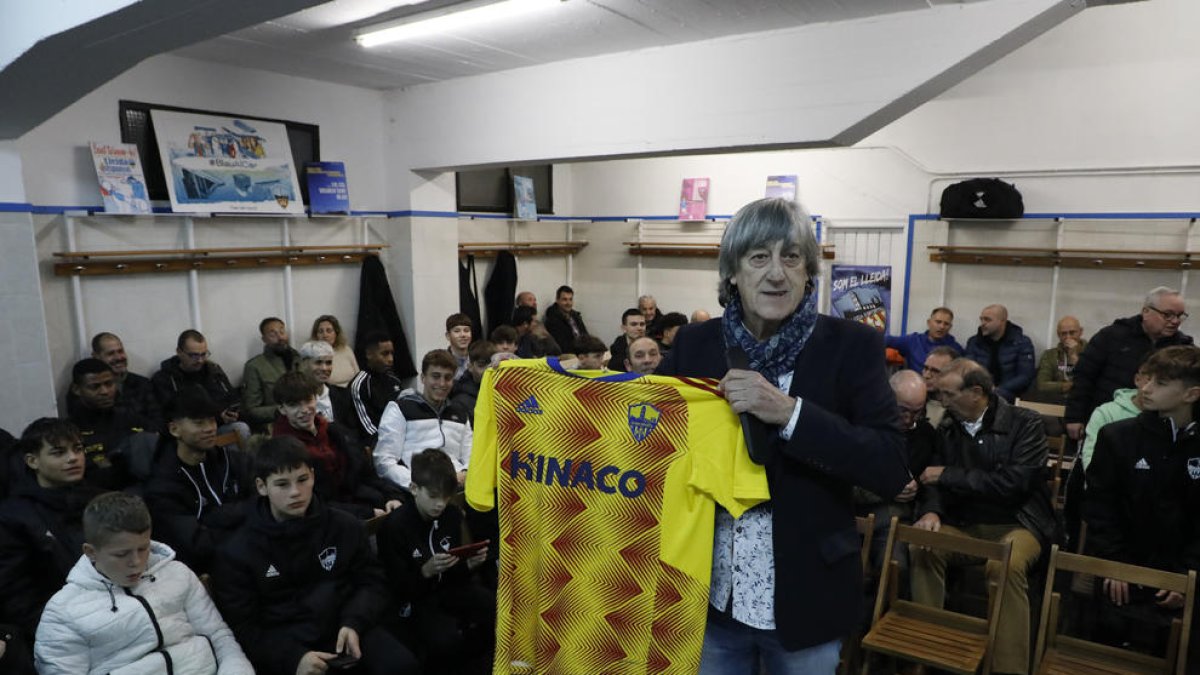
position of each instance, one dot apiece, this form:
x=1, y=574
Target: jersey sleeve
x=481, y=479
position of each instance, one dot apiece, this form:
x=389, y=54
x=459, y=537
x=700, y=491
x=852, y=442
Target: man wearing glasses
x=190, y=365
x=1112, y=356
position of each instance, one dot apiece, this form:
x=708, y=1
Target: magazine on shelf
x=524, y=198
x=693, y=199
x=781, y=187
x=122, y=183
x=327, y=190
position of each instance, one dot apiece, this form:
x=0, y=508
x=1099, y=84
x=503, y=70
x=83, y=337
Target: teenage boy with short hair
x=1142, y=504
x=196, y=488
x=298, y=582
x=344, y=478
x=415, y=422
x=452, y=614
x=458, y=335
x=466, y=388
x=591, y=353
x=40, y=532
x=103, y=426
x=375, y=385
x=130, y=607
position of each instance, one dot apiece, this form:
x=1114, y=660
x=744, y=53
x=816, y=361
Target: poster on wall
x=524, y=198
x=781, y=187
x=226, y=164
x=861, y=293
x=693, y=199
x=327, y=189
x=122, y=183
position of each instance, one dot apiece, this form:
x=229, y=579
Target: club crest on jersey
x=1194, y=468
x=643, y=417
x=328, y=558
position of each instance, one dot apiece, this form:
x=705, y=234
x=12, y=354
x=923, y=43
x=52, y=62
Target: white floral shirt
x=743, y=566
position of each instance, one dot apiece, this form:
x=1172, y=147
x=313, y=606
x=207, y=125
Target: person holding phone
x=431, y=573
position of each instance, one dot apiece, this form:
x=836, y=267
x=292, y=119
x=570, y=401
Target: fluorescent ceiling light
x=498, y=11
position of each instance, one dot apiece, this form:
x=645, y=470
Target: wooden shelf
x=1075, y=258
x=489, y=249
x=104, y=263
x=694, y=249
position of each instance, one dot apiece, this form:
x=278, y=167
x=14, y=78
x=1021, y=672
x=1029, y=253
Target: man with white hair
x=649, y=309
x=1111, y=358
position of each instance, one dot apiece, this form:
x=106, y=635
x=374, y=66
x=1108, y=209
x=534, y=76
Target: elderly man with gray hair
x=333, y=403
x=1111, y=358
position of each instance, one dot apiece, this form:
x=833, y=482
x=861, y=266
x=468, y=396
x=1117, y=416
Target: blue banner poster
x=327, y=191
x=862, y=293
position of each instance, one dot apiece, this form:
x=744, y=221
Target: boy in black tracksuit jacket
x=1142, y=503
x=41, y=531
x=452, y=614
x=195, y=489
x=298, y=583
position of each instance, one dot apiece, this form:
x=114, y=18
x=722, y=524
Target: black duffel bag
x=982, y=198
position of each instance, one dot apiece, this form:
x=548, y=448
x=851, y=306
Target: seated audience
x=345, y=478
x=196, y=488
x=922, y=443
x=160, y=621
x=533, y=342
x=988, y=483
x=591, y=353
x=1142, y=504
x=451, y=612
x=333, y=403
x=914, y=347
x=1057, y=364
x=1126, y=404
x=935, y=363
x=298, y=582
x=527, y=299
x=700, y=316
x=458, y=335
x=670, y=325
x=505, y=339
x=1002, y=349
x=633, y=326
x=40, y=532
x=563, y=323
x=1114, y=352
x=466, y=387
x=345, y=366
x=102, y=426
x=191, y=365
x=261, y=372
x=376, y=385
x=416, y=422
x=134, y=392
x=643, y=357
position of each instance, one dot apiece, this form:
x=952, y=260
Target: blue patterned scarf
x=777, y=355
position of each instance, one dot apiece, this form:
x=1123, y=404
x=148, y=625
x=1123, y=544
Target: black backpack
x=982, y=198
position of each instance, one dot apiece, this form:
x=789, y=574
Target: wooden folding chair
x=1044, y=409
x=865, y=526
x=904, y=629
x=1059, y=654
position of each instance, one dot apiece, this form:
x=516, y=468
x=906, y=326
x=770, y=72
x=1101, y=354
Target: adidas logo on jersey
x=271, y=572
x=529, y=406
x=1142, y=464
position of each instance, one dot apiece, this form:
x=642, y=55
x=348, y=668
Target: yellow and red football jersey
x=607, y=486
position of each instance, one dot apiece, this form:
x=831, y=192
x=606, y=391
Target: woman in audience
x=327, y=329
x=820, y=417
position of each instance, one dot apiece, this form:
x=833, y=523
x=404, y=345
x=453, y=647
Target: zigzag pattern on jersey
x=582, y=587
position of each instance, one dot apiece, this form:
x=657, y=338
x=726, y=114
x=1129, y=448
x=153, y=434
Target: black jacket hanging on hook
x=500, y=291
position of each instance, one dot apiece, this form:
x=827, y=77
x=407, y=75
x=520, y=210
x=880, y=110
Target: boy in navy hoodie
x=41, y=531
x=298, y=582
x=451, y=612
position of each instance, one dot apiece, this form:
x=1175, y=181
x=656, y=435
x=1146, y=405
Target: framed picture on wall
x=226, y=164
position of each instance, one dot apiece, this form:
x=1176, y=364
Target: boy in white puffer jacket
x=129, y=608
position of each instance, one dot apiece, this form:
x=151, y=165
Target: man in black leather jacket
x=989, y=484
